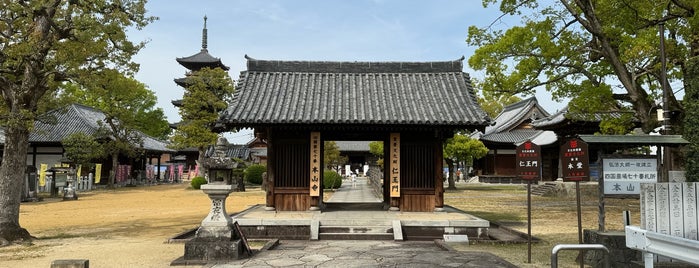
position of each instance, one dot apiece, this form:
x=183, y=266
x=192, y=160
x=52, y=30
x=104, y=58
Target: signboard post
x=529, y=168
x=576, y=167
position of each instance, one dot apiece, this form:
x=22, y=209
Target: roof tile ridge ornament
x=204, y=37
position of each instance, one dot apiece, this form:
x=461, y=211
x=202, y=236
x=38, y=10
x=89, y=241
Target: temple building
x=413, y=107
x=513, y=126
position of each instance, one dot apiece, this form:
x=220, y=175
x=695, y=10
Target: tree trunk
x=637, y=94
x=12, y=173
x=112, y=172
x=452, y=173
x=203, y=170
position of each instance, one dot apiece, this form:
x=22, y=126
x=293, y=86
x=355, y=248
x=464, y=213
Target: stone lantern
x=216, y=238
x=219, y=166
x=63, y=177
x=69, y=192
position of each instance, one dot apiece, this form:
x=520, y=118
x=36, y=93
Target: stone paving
x=362, y=253
x=358, y=192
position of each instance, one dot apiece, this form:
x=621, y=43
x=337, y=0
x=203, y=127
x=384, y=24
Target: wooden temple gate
x=412, y=107
x=412, y=177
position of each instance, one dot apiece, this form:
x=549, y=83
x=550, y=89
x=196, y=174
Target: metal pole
x=600, y=186
x=529, y=221
x=663, y=77
x=557, y=248
x=667, y=128
x=580, y=237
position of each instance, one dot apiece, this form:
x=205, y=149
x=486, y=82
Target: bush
x=331, y=179
x=253, y=174
x=197, y=182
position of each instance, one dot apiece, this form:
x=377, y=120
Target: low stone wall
x=375, y=180
x=619, y=255
x=567, y=189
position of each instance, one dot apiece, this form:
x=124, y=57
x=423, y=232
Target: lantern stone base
x=216, y=239
x=69, y=194
x=212, y=249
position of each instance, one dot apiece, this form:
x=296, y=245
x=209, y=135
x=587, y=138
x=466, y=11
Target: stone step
x=544, y=189
x=356, y=229
x=356, y=233
x=355, y=236
x=355, y=222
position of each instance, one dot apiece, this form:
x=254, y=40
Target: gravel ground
x=126, y=227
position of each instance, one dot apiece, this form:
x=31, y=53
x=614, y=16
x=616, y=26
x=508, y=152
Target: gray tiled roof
x=369, y=93
x=79, y=118
x=353, y=146
x=564, y=114
x=65, y=121
x=517, y=136
x=200, y=60
x=232, y=150
x=514, y=114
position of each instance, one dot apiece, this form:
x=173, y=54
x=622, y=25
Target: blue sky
x=332, y=30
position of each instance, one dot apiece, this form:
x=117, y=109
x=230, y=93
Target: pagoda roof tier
x=201, y=60
x=181, y=81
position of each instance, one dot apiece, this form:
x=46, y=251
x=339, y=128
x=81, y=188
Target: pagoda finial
x=204, y=36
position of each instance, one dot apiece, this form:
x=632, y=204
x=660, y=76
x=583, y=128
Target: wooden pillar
x=270, y=168
x=495, y=161
x=439, y=180
x=157, y=178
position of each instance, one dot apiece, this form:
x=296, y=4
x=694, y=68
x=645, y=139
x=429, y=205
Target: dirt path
x=126, y=227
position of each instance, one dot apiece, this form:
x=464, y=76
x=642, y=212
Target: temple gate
x=413, y=107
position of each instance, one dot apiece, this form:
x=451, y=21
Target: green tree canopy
x=42, y=44
x=493, y=102
x=376, y=148
x=461, y=148
x=124, y=101
x=331, y=155
x=81, y=148
x=120, y=96
x=207, y=93
x=691, y=132
x=601, y=54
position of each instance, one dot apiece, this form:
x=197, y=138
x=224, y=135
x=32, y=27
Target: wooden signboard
x=394, y=154
x=528, y=161
x=575, y=161
x=316, y=171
